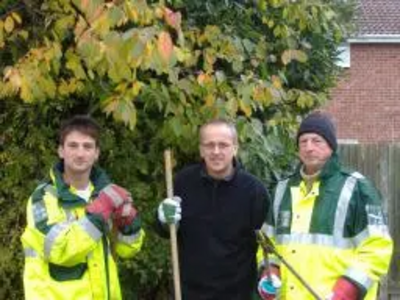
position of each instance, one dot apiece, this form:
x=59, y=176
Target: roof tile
x=378, y=17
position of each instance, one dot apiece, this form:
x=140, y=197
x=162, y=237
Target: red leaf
x=165, y=46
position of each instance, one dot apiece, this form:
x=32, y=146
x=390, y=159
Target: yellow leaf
x=9, y=24
x=210, y=100
x=231, y=106
x=132, y=12
x=258, y=92
x=13, y=76
x=290, y=54
x=276, y=81
x=305, y=100
x=136, y=88
x=271, y=23
x=122, y=110
x=16, y=17
x=245, y=108
x=96, y=14
x=110, y=105
x=80, y=27
x=203, y=79
x=165, y=46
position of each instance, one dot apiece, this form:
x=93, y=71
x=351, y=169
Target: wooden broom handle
x=172, y=227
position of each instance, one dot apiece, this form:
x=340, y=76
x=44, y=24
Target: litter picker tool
x=268, y=247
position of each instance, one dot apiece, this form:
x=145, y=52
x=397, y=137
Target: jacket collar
x=331, y=167
x=236, y=167
x=98, y=178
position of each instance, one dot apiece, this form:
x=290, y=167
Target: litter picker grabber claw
x=268, y=247
x=172, y=227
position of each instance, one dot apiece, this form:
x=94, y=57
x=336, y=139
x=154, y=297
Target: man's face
x=79, y=152
x=217, y=148
x=314, y=151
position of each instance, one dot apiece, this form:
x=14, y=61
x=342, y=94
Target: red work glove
x=110, y=198
x=269, y=283
x=345, y=290
x=125, y=214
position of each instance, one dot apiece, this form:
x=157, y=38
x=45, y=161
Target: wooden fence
x=381, y=163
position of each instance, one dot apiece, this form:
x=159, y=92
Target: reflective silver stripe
x=129, y=239
x=117, y=199
x=357, y=175
x=328, y=240
x=39, y=211
x=361, y=237
x=90, y=228
x=52, y=190
x=57, y=229
x=360, y=277
x=70, y=215
x=370, y=231
x=315, y=239
x=279, y=192
x=268, y=230
x=343, y=204
x=52, y=236
x=378, y=230
x=29, y=252
x=126, y=210
x=39, y=208
x=42, y=185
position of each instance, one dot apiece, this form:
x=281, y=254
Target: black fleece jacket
x=216, y=236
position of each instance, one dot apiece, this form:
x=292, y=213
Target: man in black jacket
x=217, y=208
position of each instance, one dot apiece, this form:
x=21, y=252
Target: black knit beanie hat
x=321, y=124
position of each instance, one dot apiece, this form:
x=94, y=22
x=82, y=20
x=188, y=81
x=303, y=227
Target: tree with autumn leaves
x=151, y=72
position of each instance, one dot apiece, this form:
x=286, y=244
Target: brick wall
x=366, y=102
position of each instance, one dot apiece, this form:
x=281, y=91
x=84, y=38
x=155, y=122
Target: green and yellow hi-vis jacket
x=68, y=252
x=336, y=229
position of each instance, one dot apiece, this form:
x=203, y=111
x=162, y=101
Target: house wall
x=366, y=103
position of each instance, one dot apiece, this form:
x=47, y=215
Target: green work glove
x=169, y=211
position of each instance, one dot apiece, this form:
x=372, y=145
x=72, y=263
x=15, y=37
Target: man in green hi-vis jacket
x=74, y=221
x=327, y=222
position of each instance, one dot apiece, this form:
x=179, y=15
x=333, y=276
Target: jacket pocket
x=61, y=273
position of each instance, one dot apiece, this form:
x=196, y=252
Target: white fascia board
x=375, y=39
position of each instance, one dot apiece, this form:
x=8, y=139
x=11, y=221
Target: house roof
x=378, y=17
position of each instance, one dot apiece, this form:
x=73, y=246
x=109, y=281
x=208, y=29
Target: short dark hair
x=227, y=123
x=82, y=123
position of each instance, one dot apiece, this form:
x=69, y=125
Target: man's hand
x=269, y=284
x=169, y=210
x=110, y=198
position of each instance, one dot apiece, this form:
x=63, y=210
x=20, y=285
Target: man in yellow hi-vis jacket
x=327, y=222
x=74, y=220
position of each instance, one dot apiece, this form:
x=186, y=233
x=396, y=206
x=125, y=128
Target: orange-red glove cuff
x=345, y=290
x=272, y=269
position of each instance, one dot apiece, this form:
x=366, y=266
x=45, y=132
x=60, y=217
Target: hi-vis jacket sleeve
x=66, y=236
x=268, y=227
x=63, y=237
x=130, y=239
x=373, y=244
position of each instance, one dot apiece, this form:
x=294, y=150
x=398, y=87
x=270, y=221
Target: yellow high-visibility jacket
x=337, y=229
x=68, y=252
